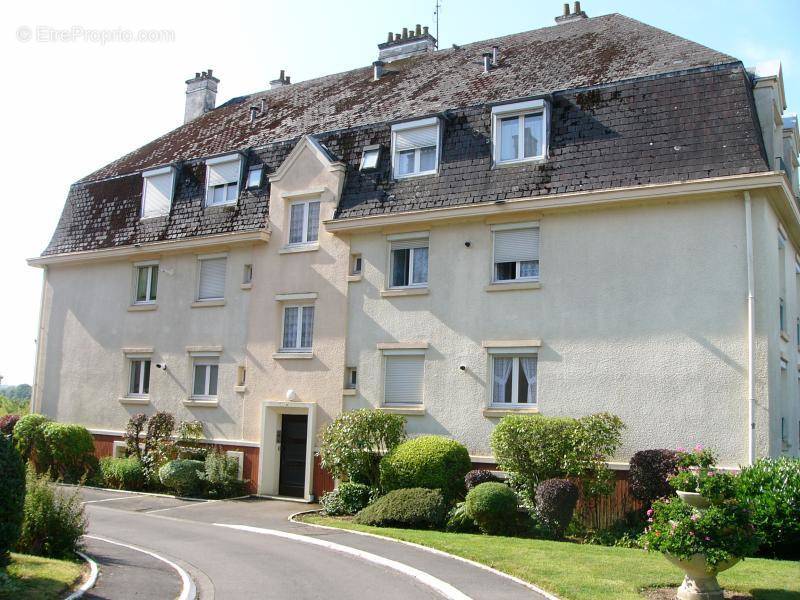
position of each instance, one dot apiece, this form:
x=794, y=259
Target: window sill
x=400, y=409
x=134, y=400
x=352, y=278
x=497, y=412
x=240, y=389
x=313, y=247
x=785, y=336
x=142, y=307
x=349, y=392
x=220, y=207
x=413, y=175
x=246, y=286
x=513, y=285
x=207, y=303
x=395, y=292
x=534, y=160
x=201, y=403
x=292, y=355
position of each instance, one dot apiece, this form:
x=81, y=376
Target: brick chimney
x=201, y=95
x=576, y=15
x=405, y=44
x=281, y=81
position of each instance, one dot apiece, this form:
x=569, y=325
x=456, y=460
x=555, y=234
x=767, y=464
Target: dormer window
x=415, y=148
x=222, y=180
x=157, y=190
x=369, y=159
x=255, y=176
x=520, y=132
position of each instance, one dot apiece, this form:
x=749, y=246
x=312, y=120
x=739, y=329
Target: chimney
x=253, y=113
x=201, y=95
x=280, y=81
x=487, y=62
x=407, y=43
x=377, y=67
x=576, y=15
x=495, y=55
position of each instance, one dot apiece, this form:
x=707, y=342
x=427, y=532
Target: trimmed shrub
x=351, y=446
x=418, y=508
x=12, y=496
x=221, y=476
x=122, y=473
x=493, y=506
x=54, y=521
x=428, y=461
x=770, y=489
x=458, y=521
x=70, y=449
x=182, y=476
x=478, y=476
x=7, y=423
x=347, y=499
x=555, y=502
x=649, y=472
x=29, y=439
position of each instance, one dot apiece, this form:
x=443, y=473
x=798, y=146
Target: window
x=247, y=274
x=402, y=380
x=520, y=131
x=139, y=384
x=222, y=180
x=352, y=378
x=212, y=278
x=415, y=148
x=516, y=252
x=409, y=263
x=206, y=372
x=514, y=380
x=241, y=375
x=303, y=222
x=369, y=159
x=298, y=328
x=784, y=364
x=146, y=283
x=158, y=186
x=255, y=176
x=355, y=264
x=782, y=313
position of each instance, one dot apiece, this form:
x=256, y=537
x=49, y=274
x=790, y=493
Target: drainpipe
x=751, y=318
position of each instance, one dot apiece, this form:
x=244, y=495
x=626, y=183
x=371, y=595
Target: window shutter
x=516, y=244
x=157, y=195
x=403, y=379
x=405, y=244
x=419, y=137
x=212, y=278
x=224, y=172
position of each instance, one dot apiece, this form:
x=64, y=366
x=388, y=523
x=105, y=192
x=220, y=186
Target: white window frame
x=387, y=355
x=207, y=361
x=520, y=109
x=172, y=171
x=396, y=155
x=132, y=358
x=200, y=260
x=209, y=200
x=145, y=265
x=299, y=348
x=356, y=264
x=247, y=274
x=376, y=148
x=517, y=277
x=399, y=239
x=351, y=378
x=515, y=354
x=304, y=241
x=254, y=185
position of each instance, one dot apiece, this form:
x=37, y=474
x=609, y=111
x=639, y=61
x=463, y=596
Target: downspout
x=751, y=319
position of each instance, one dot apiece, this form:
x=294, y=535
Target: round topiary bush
x=649, y=472
x=347, y=499
x=12, y=496
x=555, y=502
x=493, y=506
x=182, y=476
x=418, y=508
x=429, y=461
x=122, y=473
x=29, y=439
x=478, y=476
x=70, y=449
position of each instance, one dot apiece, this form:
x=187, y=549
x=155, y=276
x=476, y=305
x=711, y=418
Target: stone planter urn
x=694, y=499
x=700, y=581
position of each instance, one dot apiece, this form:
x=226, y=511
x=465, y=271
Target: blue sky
x=74, y=104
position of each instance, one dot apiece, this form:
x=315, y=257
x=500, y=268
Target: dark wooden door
x=292, y=476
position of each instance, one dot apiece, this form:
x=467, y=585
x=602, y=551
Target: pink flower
x=695, y=517
x=680, y=449
x=708, y=539
x=698, y=448
x=650, y=512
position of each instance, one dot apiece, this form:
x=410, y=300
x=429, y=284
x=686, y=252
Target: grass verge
x=36, y=578
x=586, y=572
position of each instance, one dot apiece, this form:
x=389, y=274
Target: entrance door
x=292, y=474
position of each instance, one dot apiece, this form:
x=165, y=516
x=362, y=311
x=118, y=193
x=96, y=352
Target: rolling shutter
x=419, y=137
x=157, y=194
x=212, y=278
x=219, y=173
x=514, y=245
x=403, y=379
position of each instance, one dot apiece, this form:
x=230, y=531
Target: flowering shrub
x=699, y=457
x=696, y=473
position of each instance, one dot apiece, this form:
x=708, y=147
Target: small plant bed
x=37, y=578
x=584, y=572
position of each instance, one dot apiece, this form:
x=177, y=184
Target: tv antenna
x=436, y=10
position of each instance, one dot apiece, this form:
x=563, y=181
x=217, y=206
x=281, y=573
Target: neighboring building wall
x=641, y=312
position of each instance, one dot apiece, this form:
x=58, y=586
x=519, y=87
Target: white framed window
x=403, y=374
x=303, y=222
x=146, y=282
x=370, y=157
x=415, y=148
x=222, y=180
x=356, y=264
x=351, y=378
x=247, y=274
x=255, y=177
x=298, y=328
x=211, y=277
x=408, y=261
x=139, y=377
x=519, y=131
x=241, y=375
x=205, y=377
x=514, y=379
x=516, y=252
x=158, y=189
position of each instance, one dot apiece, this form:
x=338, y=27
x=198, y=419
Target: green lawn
x=578, y=572
x=36, y=578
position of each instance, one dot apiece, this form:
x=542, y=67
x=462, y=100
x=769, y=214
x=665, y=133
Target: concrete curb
x=94, y=571
x=522, y=582
x=157, y=495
